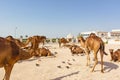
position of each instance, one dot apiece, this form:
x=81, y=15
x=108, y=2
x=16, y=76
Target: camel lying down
x=41, y=52
x=44, y=52
x=75, y=49
x=115, y=56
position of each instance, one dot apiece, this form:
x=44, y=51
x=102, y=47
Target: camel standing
x=62, y=41
x=95, y=44
x=35, y=41
x=10, y=53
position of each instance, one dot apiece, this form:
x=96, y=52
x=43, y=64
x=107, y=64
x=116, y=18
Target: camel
x=62, y=41
x=82, y=41
x=10, y=53
x=44, y=52
x=95, y=44
x=35, y=40
x=115, y=56
x=17, y=41
x=75, y=49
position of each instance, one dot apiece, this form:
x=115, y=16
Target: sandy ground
x=76, y=70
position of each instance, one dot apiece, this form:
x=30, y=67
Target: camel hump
x=15, y=49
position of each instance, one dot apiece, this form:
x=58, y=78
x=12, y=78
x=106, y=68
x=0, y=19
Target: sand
x=64, y=67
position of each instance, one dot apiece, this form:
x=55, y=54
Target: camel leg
x=59, y=44
x=8, y=69
x=43, y=43
x=88, y=57
x=102, y=62
x=96, y=61
x=111, y=54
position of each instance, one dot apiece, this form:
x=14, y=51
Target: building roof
x=70, y=35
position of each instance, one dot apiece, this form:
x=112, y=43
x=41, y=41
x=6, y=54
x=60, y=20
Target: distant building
x=98, y=33
x=86, y=34
x=115, y=33
x=70, y=37
x=112, y=37
x=102, y=34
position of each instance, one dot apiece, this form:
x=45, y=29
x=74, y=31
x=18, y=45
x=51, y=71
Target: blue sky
x=57, y=18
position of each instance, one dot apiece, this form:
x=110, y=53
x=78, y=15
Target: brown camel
x=40, y=39
x=17, y=41
x=95, y=44
x=62, y=41
x=75, y=49
x=10, y=53
x=82, y=41
x=35, y=41
x=115, y=56
x=44, y=52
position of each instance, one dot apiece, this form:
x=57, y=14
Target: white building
x=112, y=37
x=86, y=34
x=115, y=33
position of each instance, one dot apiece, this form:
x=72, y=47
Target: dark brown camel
x=62, y=41
x=115, y=56
x=95, y=44
x=10, y=53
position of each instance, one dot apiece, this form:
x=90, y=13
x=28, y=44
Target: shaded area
x=59, y=78
x=108, y=66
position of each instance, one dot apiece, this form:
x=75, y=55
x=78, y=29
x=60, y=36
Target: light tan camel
x=10, y=53
x=95, y=44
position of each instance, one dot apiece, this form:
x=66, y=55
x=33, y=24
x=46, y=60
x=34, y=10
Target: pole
x=15, y=31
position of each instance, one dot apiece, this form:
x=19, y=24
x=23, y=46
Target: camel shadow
x=31, y=59
x=59, y=78
x=108, y=66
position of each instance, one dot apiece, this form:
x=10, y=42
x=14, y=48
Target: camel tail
x=105, y=53
x=102, y=49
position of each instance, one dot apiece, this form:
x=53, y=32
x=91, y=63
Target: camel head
x=82, y=41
